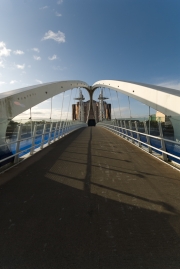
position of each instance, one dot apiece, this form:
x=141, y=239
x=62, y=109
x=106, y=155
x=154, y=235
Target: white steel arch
x=13, y=103
x=162, y=99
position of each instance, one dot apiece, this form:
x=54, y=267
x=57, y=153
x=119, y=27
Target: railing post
x=163, y=146
x=67, y=127
x=33, y=139
x=138, y=136
x=55, y=131
x=43, y=135
x=130, y=127
x=63, y=129
x=118, y=128
x=60, y=126
x=147, y=137
x=122, y=131
x=50, y=131
x=125, y=130
x=16, y=159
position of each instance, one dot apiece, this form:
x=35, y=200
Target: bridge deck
x=90, y=200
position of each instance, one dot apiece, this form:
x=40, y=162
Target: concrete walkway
x=90, y=200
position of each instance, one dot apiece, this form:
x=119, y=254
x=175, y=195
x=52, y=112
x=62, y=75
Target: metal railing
x=37, y=140
x=135, y=136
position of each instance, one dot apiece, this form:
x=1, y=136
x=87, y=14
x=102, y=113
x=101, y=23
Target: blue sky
x=89, y=40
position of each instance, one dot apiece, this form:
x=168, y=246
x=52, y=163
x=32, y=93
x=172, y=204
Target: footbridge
x=79, y=196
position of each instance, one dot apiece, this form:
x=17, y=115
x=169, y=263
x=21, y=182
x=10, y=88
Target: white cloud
x=58, y=14
x=1, y=64
x=59, y=68
x=13, y=81
x=172, y=84
x=59, y=36
x=3, y=50
x=37, y=58
x=45, y=7
x=20, y=66
x=2, y=82
x=18, y=52
x=38, y=81
x=54, y=57
x=59, y=2
x=36, y=50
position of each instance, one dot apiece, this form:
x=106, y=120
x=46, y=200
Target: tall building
x=101, y=110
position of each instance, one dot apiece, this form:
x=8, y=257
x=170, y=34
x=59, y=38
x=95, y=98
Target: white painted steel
x=73, y=127
x=13, y=103
x=138, y=141
x=162, y=99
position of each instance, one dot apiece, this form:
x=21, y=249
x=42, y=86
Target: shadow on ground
x=60, y=213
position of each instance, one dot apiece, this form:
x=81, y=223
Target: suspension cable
x=69, y=105
x=51, y=109
x=109, y=113
x=62, y=106
x=112, y=104
x=129, y=107
x=119, y=104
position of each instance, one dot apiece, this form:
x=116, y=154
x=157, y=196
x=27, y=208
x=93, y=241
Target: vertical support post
x=130, y=127
x=147, y=137
x=16, y=159
x=114, y=125
x=163, y=146
x=70, y=126
x=33, y=139
x=125, y=129
x=138, y=136
x=43, y=135
x=122, y=131
x=64, y=128
x=60, y=127
x=55, y=131
x=118, y=124
x=68, y=123
x=50, y=131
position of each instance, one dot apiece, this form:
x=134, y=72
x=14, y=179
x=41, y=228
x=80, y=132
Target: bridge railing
x=26, y=139
x=159, y=146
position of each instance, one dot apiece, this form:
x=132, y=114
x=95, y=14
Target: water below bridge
x=90, y=200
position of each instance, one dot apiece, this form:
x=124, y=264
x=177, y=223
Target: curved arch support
x=161, y=99
x=13, y=103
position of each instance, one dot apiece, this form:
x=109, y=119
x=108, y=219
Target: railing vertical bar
x=138, y=136
x=16, y=159
x=55, y=131
x=163, y=146
x=50, y=131
x=33, y=139
x=147, y=137
x=43, y=136
x=130, y=127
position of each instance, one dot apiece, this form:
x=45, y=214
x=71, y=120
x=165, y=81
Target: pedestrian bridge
x=89, y=197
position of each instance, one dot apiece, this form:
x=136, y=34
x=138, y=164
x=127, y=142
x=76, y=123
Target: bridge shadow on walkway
x=90, y=200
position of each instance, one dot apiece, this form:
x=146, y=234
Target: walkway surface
x=90, y=200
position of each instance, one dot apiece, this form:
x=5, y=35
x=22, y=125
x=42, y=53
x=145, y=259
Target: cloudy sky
x=89, y=40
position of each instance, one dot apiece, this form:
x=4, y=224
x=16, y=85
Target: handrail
x=66, y=129
x=156, y=137
x=112, y=128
